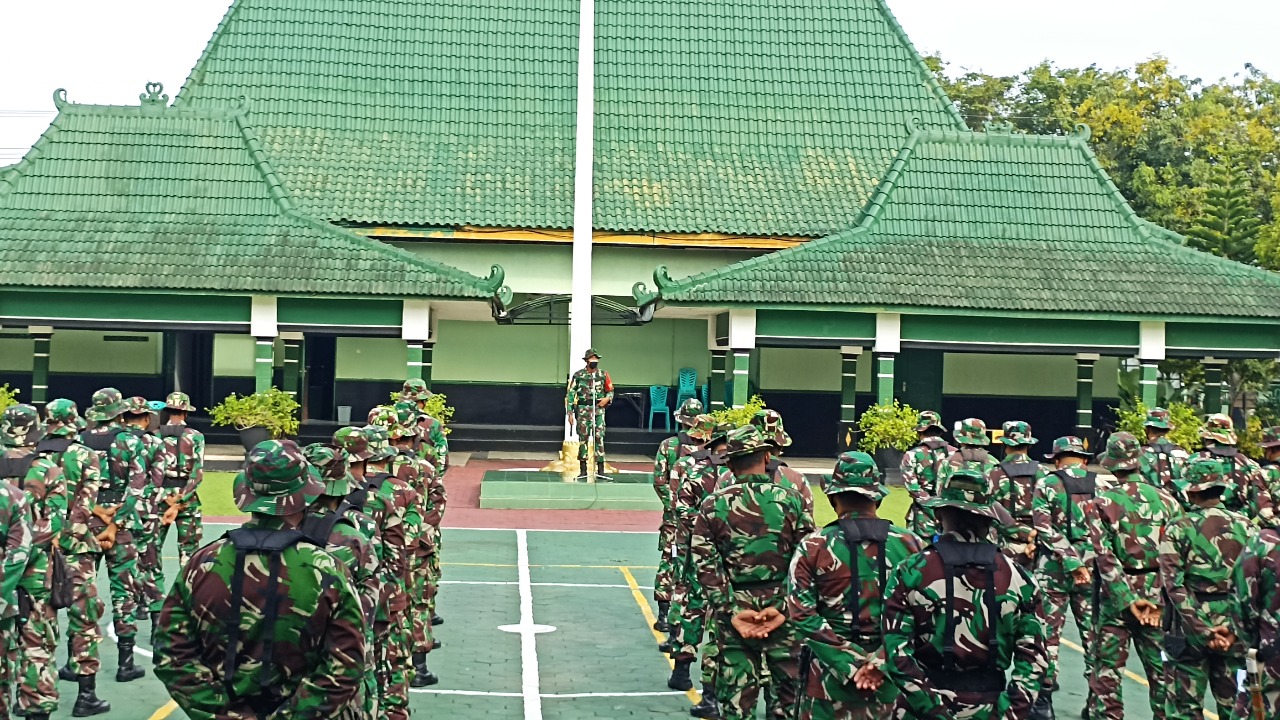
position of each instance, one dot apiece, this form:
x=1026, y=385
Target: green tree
x=1229, y=224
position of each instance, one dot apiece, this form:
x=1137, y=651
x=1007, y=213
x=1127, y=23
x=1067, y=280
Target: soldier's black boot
x=155, y=622
x=36, y=716
x=600, y=469
x=64, y=672
x=422, y=677
x=582, y=469
x=437, y=620
x=679, y=679
x=661, y=625
x=708, y=708
x=1043, y=708
x=126, y=671
x=87, y=702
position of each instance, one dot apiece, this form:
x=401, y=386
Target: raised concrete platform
x=530, y=489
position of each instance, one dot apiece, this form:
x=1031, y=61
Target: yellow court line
x=1129, y=674
x=650, y=619
x=165, y=711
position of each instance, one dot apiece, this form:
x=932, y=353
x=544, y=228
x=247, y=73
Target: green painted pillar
x=414, y=366
x=884, y=378
x=1213, y=370
x=40, y=367
x=1148, y=383
x=741, y=378
x=1085, y=365
x=716, y=391
x=263, y=363
x=848, y=398
x=428, y=350
x=292, y=365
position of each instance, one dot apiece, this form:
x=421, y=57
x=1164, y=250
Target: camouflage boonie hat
x=382, y=416
x=396, y=431
x=354, y=441
x=1068, y=445
x=1204, y=473
x=1159, y=419
x=20, y=425
x=770, y=424
x=379, y=443
x=407, y=414
x=1123, y=452
x=591, y=352
x=855, y=472
x=107, y=404
x=1271, y=437
x=1017, y=432
x=415, y=389
x=63, y=418
x=1220, y=429
x=966, y=490
x=973, y=431
x=703, y=428
x=688, y=413
x=746, y=440
x=929, y=419
x=137, y=405
x=277, y=480
x=179, y=401
x=331, y=462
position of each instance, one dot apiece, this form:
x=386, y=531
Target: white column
x=580, y=298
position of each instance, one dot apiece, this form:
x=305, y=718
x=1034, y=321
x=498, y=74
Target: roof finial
x=154, y=95
x=1083, y=131
x=992, y=127
x=60, y=98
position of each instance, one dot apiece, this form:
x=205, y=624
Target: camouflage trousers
x=823, y=697
x=666, y=558
x=393, y=656
x=420, y=603
x=84, y=634
x=747, y=666
x=1270, y=701
x=711, y=654
x=1187, y=677
x=189, y=526
x=122, y=573
x=1079, y=600
x=686, y=623
x=433, y=568
x=1110, y=654
x=150, y=574
x=589, y=430
x=37, y=640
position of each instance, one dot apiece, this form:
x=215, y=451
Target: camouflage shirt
x=319, y=635
x=1062, y=522
x=915, y=614
x=695, y=477
x=1255, y=603
x=81, y=476
x=921, y=467
x=1249, y=493
x=1162, y=464
x=15, y=550
x=795, y=480
x=1197, y=556
x=351, y=544
x=421, y=475
x=664, y=462
x=1015, y=492
x=1127, y=528
x=587, y=385
x=123, y=469
x=181, y=461
x=820, y=602
x=152, y=483
x=45, y=486
x=434, y=443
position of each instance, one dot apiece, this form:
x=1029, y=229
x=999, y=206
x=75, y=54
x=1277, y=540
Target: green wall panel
x=814, y=324
x=371, y=359
x=15, y=352
x=232, y=355
x=135, y=306
x=488, y=352
x=88, y=351
x=653, y=354
x=814, y=370
x=315, y=311
x=1019, y=331
x=1023, y=375
x=1221, y=335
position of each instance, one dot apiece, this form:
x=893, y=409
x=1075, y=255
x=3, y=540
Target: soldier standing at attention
x=122, y=463
x=19, y=433
x=1271, y=459
x=769, y=422
x=429, y=443
x=1247, y=492
x=263, y=623
x=669, y=452
x=835, y=595
x=962, y=625
x=1255, y=616
x=590, y=393
x=1015, y=480
x=1064, y=509
x=1162, y=462
x=432, y=439
x=1197, y=556
x=920, y=469
x=1131, y=518
x=150, y=578
x=182, y=471
x=743, y=539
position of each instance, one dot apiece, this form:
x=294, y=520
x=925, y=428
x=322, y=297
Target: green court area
x=541, y=624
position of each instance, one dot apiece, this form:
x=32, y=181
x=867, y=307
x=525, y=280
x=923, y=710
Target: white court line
x=608, y=532
x=543, y=584
x=528, y=630
x=553, y=696
x=111, y=633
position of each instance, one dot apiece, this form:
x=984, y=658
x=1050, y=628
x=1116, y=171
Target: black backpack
x=854, y=532
x=1076, y=487
x=957, y=557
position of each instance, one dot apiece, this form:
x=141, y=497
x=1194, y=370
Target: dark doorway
x=320, y=362
x=188, y=365
x=919, y=377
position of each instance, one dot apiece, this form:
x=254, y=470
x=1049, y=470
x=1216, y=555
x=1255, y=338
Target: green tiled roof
x=753, y=117
x=993, y=222
x=153, y=197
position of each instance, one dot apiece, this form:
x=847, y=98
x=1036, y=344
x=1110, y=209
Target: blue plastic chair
x=705, y=394
x=658, y=405
x=688, y=385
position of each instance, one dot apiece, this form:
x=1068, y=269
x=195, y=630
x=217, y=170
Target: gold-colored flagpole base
x=567, y=463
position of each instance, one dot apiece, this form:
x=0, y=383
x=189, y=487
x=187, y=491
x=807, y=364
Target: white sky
x=104, y=52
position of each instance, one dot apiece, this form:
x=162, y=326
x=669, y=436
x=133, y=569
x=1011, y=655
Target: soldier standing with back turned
x=1162, y=463
x=669, y=452
x=920, y=469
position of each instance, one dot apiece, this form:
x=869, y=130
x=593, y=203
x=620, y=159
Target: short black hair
x=742, y=462
x=1211, y=493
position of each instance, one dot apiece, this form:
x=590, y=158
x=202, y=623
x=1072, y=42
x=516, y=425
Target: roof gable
x=999, y=222
x=154, y=197
x=711, y=116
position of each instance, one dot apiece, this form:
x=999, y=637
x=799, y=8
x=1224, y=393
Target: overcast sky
x=104, y=52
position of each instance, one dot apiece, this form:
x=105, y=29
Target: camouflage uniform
x=961, y=621
x=1255, y=616
x=433, y=441
x=150, y=576
x=1248, y=492
x=1163, y=463
x=835, y=594
x=432, y=445
x=1126, y=530
x=743, y=540
x=920, y=469
x=298, y=643
x=181, y=464
x=1064, y=509
x=19, y=431
x=587, y=388
x=1015, y=479
x=1197, y=556
x=1271, y=462
x=769, y=422
x=669, y=452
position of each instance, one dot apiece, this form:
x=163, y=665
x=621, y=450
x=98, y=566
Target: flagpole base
x=567, y=463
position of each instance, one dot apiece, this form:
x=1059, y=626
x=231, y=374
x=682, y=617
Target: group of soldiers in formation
x=322, y=605
x=960, y=615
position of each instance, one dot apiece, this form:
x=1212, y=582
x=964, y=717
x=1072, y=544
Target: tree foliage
x=8, y=396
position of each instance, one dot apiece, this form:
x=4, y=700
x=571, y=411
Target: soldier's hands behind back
x=1147, y=612
x=170, y=515
x=868, y=678
x=1081, y=575
x=757, y=624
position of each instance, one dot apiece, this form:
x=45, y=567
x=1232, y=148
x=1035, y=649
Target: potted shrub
x=260, y=416
x=8, y=396
x=1184, y=418
x=740, y=416
x=888, y=431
